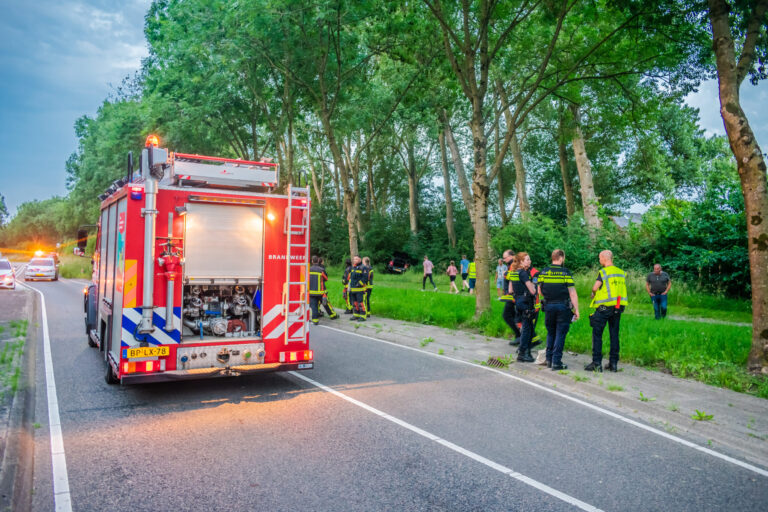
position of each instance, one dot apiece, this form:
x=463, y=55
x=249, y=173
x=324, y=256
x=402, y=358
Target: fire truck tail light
x=293, y=357
x=271, y=216
x=141, y=366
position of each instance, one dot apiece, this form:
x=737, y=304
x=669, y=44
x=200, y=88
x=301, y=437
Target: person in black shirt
x=561, y=306
x=524, y=292
x=510, y=312
x=658, y=284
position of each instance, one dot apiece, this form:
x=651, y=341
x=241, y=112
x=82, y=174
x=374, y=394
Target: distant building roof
x=626, y=220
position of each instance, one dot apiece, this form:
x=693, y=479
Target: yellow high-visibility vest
x=472, y=271
x=614, y=286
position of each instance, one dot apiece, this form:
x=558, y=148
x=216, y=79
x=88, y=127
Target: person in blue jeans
x=561, y=307
x=464, y=263
x=658, y=284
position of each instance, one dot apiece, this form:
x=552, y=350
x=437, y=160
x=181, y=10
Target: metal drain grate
x=495, y=362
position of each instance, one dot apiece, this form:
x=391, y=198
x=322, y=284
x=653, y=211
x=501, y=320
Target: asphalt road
x=403, y=431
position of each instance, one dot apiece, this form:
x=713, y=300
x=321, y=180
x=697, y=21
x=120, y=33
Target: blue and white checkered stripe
x=132, y=317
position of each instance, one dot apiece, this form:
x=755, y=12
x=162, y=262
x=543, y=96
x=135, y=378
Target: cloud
x=57, y=59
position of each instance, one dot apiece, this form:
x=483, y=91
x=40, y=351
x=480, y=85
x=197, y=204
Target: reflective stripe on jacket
x=317, y=278
x=614, y=287
x=358, y=279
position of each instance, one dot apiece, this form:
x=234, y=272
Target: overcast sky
x=59, y=57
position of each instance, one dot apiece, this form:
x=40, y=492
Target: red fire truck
x=200, y=270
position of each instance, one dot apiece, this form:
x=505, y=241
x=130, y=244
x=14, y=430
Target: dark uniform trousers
x=526, y=313
x=315, y=301
x=358, y=303
x=557, y=319
x=605, y=315
x=510, y=317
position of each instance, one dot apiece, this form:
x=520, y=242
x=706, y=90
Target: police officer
x=510, y=311
x=609, y=297
x=369, y=286
x=358, y=280
x=317, y=291
x=560, y=304
x=524, y=291
x=345, y=282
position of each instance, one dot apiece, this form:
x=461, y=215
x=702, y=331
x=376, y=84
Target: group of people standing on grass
x=358, y=286
x=526, y=291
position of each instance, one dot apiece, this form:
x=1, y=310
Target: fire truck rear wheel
x=109, y=375
x=90, y=341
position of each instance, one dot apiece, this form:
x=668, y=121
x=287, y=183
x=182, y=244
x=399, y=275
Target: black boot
x=515, y=342
x=612, y=366
x=594, y=367
x=549, y=363
x=524, y=355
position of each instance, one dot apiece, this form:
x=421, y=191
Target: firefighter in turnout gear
x=369, y=286
x=609, y=297
x=358, y=281
x=317, y=292
x=345, y=282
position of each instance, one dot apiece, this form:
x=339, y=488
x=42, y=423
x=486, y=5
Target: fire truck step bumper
x=210, y=373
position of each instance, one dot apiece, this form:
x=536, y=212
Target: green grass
x=12, y=349
x=712, y=353
x=74, y=267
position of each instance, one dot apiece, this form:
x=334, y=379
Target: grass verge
x=691, y=348
x=12, y=338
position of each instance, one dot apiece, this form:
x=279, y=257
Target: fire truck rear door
x=224, y=242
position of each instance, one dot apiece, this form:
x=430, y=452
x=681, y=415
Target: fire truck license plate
x=147, y=352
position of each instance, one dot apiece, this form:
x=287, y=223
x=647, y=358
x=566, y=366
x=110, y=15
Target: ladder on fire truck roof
x=297, y=257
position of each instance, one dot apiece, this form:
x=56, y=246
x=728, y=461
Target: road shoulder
x=16, y=435
x=739, y=423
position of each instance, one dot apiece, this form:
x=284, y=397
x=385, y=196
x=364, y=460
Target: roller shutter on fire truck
x=224, y=243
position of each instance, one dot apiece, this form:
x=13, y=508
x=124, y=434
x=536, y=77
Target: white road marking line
x=689, y=444
x=458, y=449
x=61, y=496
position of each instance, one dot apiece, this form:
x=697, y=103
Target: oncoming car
x=41, y=268
x=7, y=275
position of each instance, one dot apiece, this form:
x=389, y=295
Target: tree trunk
x=316, y=186
x=413, y=187
x=502, y=202
x=458, y=165
x=522, y=195
x=447, y=186
x=336, y=185
x=371, y=198
x=480, y=191
x=750, y=163
x=588, y=197
x=500, y=179
x=567, y=184
x=349, y=196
